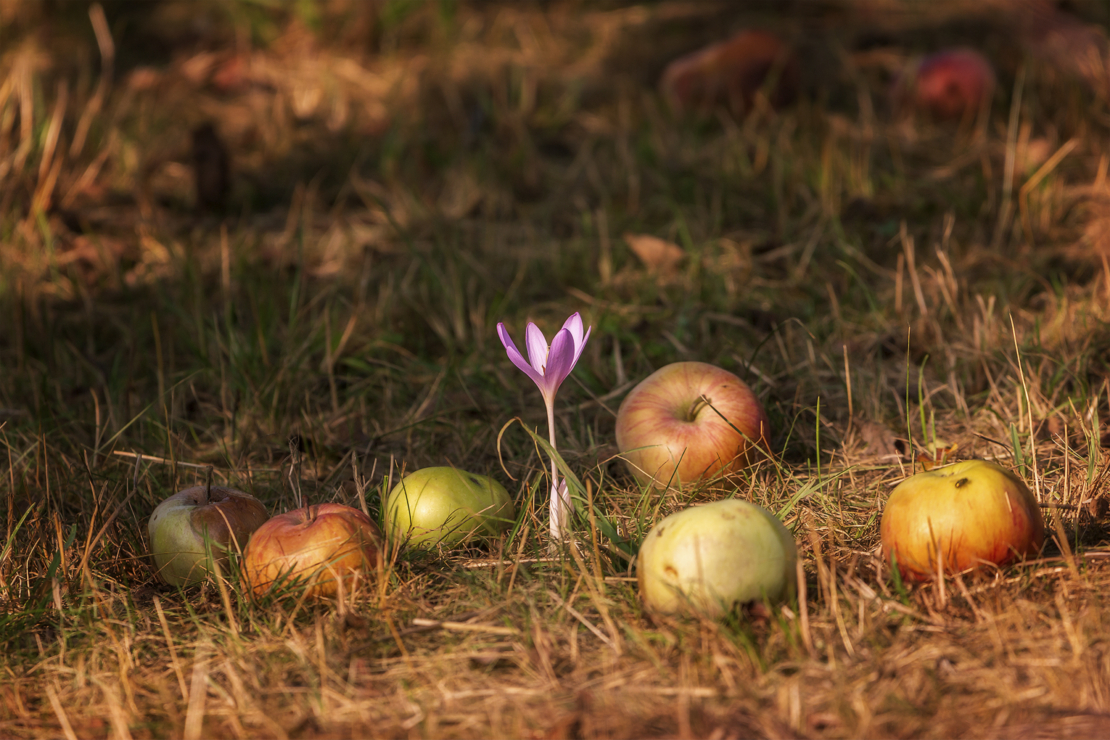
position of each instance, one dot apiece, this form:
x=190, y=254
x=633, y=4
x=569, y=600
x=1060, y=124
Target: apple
x=708, y=559
x=732, y=72
x=199, y=523
x=317, y=546
x=959, y=517
x=954, y=84
x=442, y=505
x=687, y=422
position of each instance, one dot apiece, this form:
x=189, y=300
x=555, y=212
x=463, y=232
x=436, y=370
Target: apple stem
x=699, y=404
x=208, y=485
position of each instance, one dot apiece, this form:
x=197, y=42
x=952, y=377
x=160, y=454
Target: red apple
x=690, y=421
x=949, y=85
x=731, y=72
x=193, y=527
x=317, y=546
x=959, y=517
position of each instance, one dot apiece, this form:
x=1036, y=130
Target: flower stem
x=556, y=509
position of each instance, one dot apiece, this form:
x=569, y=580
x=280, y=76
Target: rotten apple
x=192, y=531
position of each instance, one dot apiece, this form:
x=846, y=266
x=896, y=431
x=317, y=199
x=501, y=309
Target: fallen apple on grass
x=950, y=85
x=690, y=421
x=959, y=517
x=709, y=559
x=192, y=531
x=320, y=547
x=732, y=72
x=442, y=505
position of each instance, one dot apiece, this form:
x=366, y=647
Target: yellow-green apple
x=690, y=421
x=709, y=559
x=319, y=546
x=442, y=505
x=959, y=517
x=194, y=527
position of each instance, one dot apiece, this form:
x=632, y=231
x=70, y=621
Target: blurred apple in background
x=318, y=546
x=732, y=72
x=690, y=421
x=950, y=85
x=959, y=517
x=442, y=505
x=193, y=524
x=709, y=559
x=1062, y=43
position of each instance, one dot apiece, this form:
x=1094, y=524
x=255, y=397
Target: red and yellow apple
x=959, y=517
x=192, y=531
x=690, y=421
x=442, y=505
x=709, y=559
x=949, y=85
x=320, y=547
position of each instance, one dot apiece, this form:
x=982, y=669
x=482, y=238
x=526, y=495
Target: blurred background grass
x=403, y=175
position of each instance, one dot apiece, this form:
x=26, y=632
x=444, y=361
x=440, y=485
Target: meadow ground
x=404, y=176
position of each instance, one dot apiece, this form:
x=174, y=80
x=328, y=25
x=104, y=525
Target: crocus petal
x=579, y=346
x=517, y=358
x=537, y=347
x=574, y=325
x=560, y=359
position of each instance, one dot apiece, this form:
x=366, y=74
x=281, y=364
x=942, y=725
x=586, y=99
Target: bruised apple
x=316, y=546
x=959, y=517
x=192, y=531
x=709, y=559
x=442, y=505
x=690, y=421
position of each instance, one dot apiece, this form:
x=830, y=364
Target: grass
x=406, y=175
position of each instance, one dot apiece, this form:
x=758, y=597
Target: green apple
x=959, y=517
x=442, y=505
x=193, y=527
x=708, y=559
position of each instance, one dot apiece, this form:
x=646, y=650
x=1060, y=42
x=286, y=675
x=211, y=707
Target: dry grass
x=405, y=175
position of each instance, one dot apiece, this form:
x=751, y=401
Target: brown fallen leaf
x=939, y=453
x=878, y=438
x=659, y=256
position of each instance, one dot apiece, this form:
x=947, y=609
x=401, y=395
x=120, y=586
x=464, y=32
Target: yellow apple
x=709, y=559
x=316, y=546
x=959, y=517
x=442, y=505
x=687, y=422
x=196, y=526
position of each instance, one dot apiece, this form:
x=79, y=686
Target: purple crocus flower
x=548, y=366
